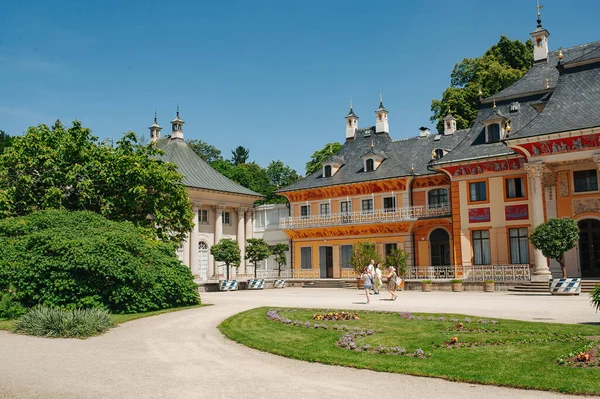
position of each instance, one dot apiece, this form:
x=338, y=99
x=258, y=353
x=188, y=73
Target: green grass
x=116, y=319
x=530, y=364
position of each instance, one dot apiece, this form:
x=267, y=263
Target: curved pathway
x=183, y=355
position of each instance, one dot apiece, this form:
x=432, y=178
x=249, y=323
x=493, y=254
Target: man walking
x=371, y=271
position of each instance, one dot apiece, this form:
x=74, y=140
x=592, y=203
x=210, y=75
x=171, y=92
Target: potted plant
x=228, y=252
x=362, y=254
x=426, y=285
x=488, y=286
x=554, y=238
x=397, y=258
x=257, y=250
x=278, y=252
x=457, y=285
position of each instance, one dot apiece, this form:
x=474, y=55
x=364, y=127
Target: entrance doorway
x=203, y=260
x=439, y=242
x=589, y=247
x=326, y=262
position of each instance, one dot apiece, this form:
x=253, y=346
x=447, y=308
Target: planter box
x=279, y=284
x=256, y=284
x=228, y=285
x=488, y=287
x=565, y=286
x=457, y=287
x=360, y=284
x=426, y=287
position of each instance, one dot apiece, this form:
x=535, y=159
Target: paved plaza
x=183, y=355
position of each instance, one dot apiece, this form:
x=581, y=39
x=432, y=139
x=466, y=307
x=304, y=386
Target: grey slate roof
x=196, y=172
x=535, y=79
x=401, y=156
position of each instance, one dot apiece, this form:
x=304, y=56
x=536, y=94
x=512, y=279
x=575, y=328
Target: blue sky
x=274, y=76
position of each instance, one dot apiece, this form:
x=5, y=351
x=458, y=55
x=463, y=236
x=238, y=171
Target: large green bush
x=595, y=296
x=43, y=321
x=80, y=260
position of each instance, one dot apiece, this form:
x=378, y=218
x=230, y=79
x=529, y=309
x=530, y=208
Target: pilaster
x=218, y=230
x=241, y=237
x=194, y=250
x=535, y=171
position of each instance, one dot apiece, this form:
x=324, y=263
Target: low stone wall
x=446, y=286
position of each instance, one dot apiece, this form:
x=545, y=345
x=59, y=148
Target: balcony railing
x=499, y=273
x=364, y=217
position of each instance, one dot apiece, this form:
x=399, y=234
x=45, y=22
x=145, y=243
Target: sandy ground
x=183, y=355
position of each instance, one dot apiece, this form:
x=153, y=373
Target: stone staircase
x=587, y=285
x=332, y=283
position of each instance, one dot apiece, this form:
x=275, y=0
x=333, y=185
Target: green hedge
x=80, y=259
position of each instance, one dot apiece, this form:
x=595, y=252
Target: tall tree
x=206, y=151
x=280, y=175
x=5, y=140
x=554, y=238
x=228, y=252
x=239, y=155
x=318, y=157
x=279, y=252
x=257, y=250
x=502, y=64
x=67, y=168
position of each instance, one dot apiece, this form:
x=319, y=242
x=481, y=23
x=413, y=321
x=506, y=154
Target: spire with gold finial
x=382, y=117
x=351, y=123
x=155, y=129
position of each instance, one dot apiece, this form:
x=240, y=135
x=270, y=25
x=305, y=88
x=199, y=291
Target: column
x=241, y=237
x=535, y=172
x=218, y=231
x=186, y=250
x=194, y=252
x=249, y=224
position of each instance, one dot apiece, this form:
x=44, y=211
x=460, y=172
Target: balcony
x=365, y=217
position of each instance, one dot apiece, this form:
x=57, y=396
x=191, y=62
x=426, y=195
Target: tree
x=554, y=238
x=239, y=155
x=228, y=252
x=362, y=253
x=318, y=157
x=502, y=64
x=279, y=252
x=257, y=250
x=5, y=140
x=397, y=258
x=280, y=175
x=67, y=168
x=207, y=152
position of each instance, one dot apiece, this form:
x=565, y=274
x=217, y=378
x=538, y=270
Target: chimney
x=423, y=131
x=449, y=125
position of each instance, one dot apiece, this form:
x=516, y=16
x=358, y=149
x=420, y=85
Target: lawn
x=498, y=352
x=116, y=319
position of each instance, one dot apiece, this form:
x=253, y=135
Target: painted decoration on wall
x=431, y=181
x=562, y=145
x=563, y=182
x=582, y=205
x=516, y=212
x=381, y=186
x=486, y=167
x=346, y=231
x=479, y=215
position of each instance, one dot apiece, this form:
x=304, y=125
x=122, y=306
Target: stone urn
x=426, y=285
x=457, y=285
x=488, y=286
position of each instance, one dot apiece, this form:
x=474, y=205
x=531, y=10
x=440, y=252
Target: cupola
x=154, y=130
x=351, y=124
x=540, y=40
x=382, y=118
x=177, y=127
x=449, y=125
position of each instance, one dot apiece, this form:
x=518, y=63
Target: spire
x=539, y=14
x=351, y=113
x=382, y=117
x=177, y=124
x=540, y=38
x=155, y=129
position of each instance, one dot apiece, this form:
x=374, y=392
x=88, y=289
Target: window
x=389, y=204
x=369, y=165
x=437, y=197
x=346, y=255
x=327, y=171
x=481, y=247
x=305, y=211
x=477, y=191
x=515, y=188
x=389, y=248
x=203, y=216
x=324, y=209
x=367, y=206
x=346, y=207
x=585, y=180
x=493, y=133
x=306, y=258
x=438, y=153
x=226, y=218
x=519, y=247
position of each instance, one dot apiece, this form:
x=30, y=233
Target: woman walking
x=392, y=282
x=367, y=283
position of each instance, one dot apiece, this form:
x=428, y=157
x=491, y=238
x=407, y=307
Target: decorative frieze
x=563, y=184
x=486, y=167
x=549, y=182
x=562, y=145
x=582, y=205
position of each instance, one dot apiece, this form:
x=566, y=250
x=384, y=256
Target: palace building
x=464, y=197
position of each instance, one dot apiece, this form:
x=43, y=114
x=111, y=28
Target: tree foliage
x=362, y=253
x=554, y=238
x=279, y=253
x=228, y=252
x=67, y=168
x=75, y=260
x=502, y=65
x=318, y=157
x=5, y=140
x=239, y=155
x=207, y=152
x=397, y=258
x=257, y=250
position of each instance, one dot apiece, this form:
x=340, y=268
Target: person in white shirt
x=377, y=279
x=371, y=271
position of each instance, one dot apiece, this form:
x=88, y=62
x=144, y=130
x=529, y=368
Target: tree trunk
x=278, y=270
x=255, y=267
x=227, y=271
x=561, y=261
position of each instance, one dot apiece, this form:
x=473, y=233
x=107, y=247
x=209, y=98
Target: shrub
x=80, y=260
x=455, y=281
x=595, y=295
x=44, y=321
x=10, y=308
x=426, y=282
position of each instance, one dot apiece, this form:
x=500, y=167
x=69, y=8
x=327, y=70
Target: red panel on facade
x=479, y=215
x=516, y=212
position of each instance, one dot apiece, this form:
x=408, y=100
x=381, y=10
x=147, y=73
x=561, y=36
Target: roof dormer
x=332, y=165
x=497, y=126
x=372, y=159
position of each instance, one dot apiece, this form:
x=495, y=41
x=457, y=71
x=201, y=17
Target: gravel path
x=183, y=355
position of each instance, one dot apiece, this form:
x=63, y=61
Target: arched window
x=438, y=153
x=327, y=171
x=493, y=133
x=438, y=197
x=203, y=246
x=370, y=165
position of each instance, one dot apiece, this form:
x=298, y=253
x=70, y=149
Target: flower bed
x=337, y=316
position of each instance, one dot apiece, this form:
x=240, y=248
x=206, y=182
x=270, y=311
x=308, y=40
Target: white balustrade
x=498, y=273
